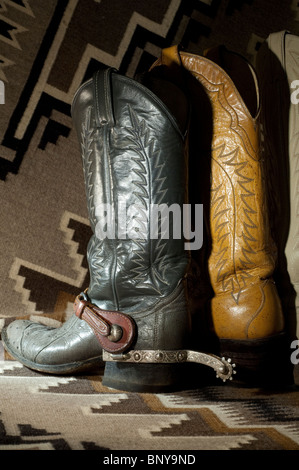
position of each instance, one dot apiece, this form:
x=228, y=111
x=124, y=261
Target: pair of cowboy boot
x=141, y=312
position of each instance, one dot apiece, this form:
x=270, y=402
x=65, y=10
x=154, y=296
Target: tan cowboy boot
x=245, y=310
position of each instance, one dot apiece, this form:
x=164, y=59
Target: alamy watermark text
x=295, y=93
x=158, y=221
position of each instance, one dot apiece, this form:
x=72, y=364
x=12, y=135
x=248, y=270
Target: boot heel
x=147, y=378
x=165, y=371
x=262, y=362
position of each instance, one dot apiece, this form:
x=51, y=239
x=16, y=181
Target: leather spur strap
x=114, y=330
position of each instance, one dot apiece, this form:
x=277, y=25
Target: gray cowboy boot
x=135, y=309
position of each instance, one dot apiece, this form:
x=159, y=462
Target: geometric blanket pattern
x=40, y=412
x=47, y=49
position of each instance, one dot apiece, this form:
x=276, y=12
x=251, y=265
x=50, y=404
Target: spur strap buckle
x=80, y=308
x=115, y=331
x=223, y=367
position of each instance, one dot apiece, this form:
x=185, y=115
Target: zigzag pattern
x=224, y=216
x=208, y=418
x=143, y=146
x=4, y=63
x=96, y=259
x=22, y=6
x=95, y=255
x=20, y=269
x=9, y=28
x=86, y=152
x=137, y=26
x=139, y=46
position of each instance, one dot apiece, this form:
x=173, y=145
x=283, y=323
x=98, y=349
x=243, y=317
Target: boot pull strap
x=103, y=97
x=170, y=56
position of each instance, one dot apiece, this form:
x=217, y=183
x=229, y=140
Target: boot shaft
x=242, y=248
x=133, y=160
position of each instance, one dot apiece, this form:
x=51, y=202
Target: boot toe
x=69, y=348
x=15, y=338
